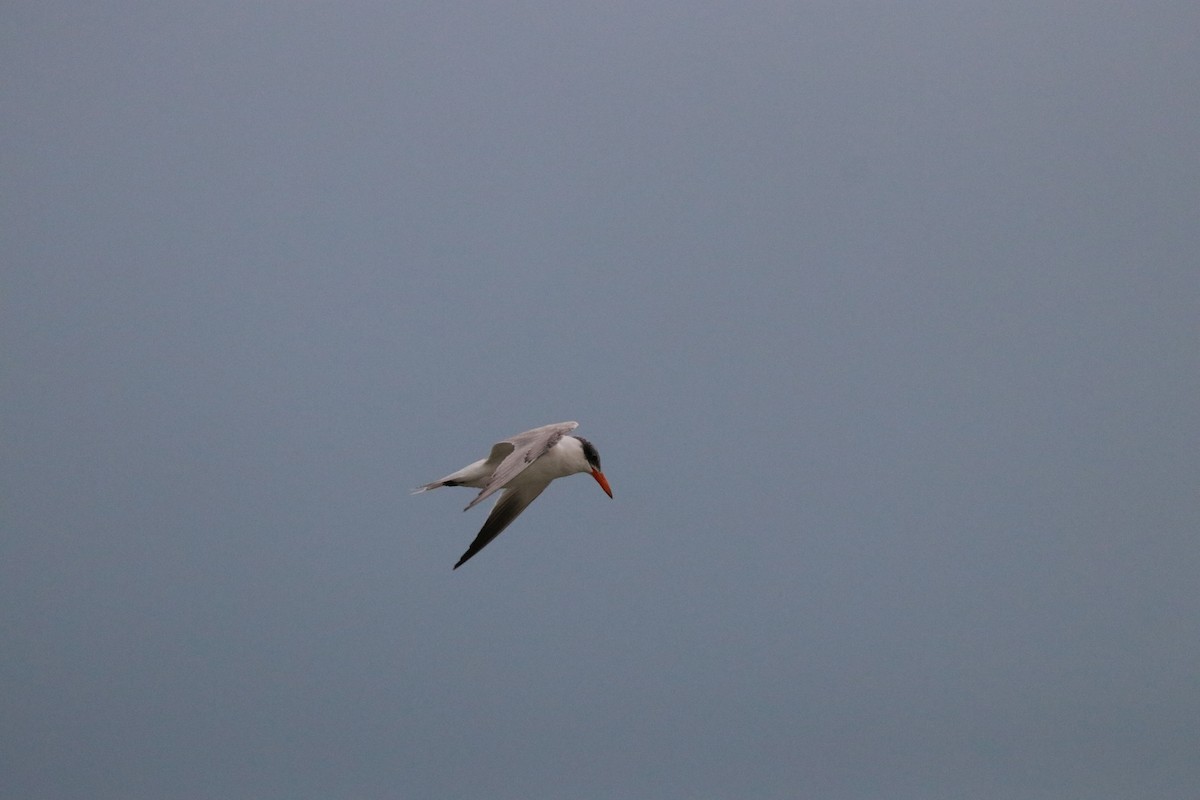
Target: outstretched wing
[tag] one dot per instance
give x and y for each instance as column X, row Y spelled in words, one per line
column 528, row 447
column 511, row 504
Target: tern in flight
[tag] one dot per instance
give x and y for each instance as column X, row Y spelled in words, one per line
column 523, row 467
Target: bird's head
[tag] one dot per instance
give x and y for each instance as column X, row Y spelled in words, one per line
column 593, row 461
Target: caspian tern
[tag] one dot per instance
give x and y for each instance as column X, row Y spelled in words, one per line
column 523, row 467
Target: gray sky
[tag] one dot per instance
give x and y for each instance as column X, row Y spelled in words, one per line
column 883, row 317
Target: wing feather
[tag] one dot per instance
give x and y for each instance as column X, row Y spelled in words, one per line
column 510, row 506
column 527, row 447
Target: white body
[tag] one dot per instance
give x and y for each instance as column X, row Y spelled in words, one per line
column 563, row 459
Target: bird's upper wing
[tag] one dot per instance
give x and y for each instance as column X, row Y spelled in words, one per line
column 500, row 451
column 527, row 447
column 511, row 504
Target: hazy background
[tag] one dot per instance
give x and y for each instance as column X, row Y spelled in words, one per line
column 883, row 316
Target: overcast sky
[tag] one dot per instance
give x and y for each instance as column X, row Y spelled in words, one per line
column 883, row 317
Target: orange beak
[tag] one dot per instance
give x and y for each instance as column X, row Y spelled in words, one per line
column 603, row 481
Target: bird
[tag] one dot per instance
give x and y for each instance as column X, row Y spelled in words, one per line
column 522, row 466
